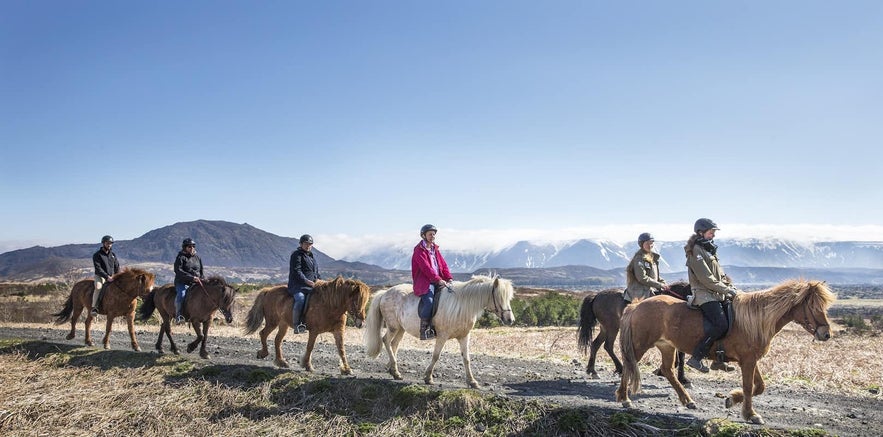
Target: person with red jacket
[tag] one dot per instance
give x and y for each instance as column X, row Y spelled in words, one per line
column 430, row 274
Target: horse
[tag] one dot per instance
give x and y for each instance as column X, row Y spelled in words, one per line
column 330, row 302
column 456, row 315
column 668, row 324
column 605, row 308
column 119, row 299
column 199, row 308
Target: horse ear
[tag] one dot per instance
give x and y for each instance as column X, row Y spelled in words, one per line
column 496, row 281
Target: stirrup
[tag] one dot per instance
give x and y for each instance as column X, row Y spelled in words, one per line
column 94, row 311
column 300, row 328
column 179, row 320
column 720, row 365
column 697, row 364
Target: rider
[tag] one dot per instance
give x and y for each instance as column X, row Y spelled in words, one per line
column 303, row 274
column 710, row 288
column 106, row 265
column 430, row 274
column 188, row 271
column 642, row 274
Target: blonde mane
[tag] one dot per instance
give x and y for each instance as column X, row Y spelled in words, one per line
column 336, row 293
column 464, row 305
column 757, row 313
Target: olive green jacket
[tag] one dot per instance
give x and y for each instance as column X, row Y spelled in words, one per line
column 707, row 278
column 642, row 276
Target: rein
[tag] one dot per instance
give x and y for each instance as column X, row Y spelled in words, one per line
column 813, row 326
column 498, row 310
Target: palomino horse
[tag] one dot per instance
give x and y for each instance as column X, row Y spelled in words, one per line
column 199, row 308
column 330, row 302
column 605, row 308
column 457, row 313
column 665, row 322
column 118, row 301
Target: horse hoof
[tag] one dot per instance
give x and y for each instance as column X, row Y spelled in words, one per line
column 90, row 343
column 627, row 404
column 346, row 371
column 428, row 381
column 70, row 336
column 204, row 355
column 594, row 375
column 107, row 347
column 728, row 402
column 687, row 384
column 136, row 348
column 175, row 351
column 191, row 349
column 281, row 363
column 395, row 375
column 262, row 354
column 691, row 406
column 473, row 384
column 756, row 419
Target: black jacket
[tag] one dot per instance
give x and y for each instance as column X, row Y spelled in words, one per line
column 187, row 267
column 106, row 264
column 303, row 266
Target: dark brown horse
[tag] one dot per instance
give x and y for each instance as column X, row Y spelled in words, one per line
column 118, row 301
column 665, row 322
column 605, row 308
column 329, row 305
column 199, row 308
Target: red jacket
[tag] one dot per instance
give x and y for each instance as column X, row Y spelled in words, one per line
column 422, row 272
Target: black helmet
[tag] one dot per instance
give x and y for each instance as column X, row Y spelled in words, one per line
column 306, row 238
column 426, row 228
column 106, row 239
column 644, row 237
column 188, row 242
column 704, row 224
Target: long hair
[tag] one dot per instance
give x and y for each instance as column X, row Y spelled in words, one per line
column 464, row 305
column 757, row 313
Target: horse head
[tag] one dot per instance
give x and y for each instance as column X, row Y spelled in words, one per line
column 227, row 296
column 812, row 311
column 359, row 295
column 501, row 294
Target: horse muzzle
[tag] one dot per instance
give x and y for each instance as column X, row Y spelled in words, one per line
column 228, row 317
column 822, row 333
column 358, row 322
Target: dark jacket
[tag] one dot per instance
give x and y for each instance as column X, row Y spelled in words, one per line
column 106, row 264
column 187, row 267
column 302, row 267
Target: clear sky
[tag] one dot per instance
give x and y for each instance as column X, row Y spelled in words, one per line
column 358, row 119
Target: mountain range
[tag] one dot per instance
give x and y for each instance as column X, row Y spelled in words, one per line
column 243, row 252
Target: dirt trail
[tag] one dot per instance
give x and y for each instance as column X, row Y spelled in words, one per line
column 782, row 406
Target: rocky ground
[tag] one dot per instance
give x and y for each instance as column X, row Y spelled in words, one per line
column 553, row 380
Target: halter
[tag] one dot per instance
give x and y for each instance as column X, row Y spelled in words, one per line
column 498, row 310
column 217, row 304
column 813, row 326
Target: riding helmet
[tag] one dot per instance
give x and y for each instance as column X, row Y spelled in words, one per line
column 426, row 228
column 106, row 239
column 306, row 238
column 188, row 242
column 704, row 224
column 644, row 237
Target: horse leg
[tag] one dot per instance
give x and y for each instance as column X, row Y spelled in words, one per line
column 439, row 344
column 167, row 322
column 752, row 384
column 682, row 376
column 338, row 340
column 305, row 361
column 593, row 353
column 391, row 344
column 609, row 339
column 277, row 345
column 264, row 351
column 192, row 345
column 202, row 352
column 162, row 330
column 75, row 315
column 467, row 363
column 667, row 368
column 107, row 325
column 87, row 325
column 130, row 321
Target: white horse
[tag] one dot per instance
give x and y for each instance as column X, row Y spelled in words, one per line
column 456, row 315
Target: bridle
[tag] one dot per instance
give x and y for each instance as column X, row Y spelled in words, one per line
column 810, row 326
column 217, row 304
column 498, row 309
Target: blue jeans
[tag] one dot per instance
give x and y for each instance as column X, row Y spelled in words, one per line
column 300, row 296
column 424, row 308
column 180, row 293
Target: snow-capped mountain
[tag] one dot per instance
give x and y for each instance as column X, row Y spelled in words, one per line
column 605, row 254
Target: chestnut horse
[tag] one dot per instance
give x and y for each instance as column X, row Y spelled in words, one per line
column 199, row 308
column 118, row 301
column 605, row 308
column 457, row 313
column 668, row 324
column 330, row 302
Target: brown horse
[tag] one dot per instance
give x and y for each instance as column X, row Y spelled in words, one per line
column 118, row 301
column 668, row 324
column 328, row 307
column 605, row 308
column 199, row 308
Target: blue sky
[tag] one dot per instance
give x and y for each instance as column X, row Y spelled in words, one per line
column 353, row 120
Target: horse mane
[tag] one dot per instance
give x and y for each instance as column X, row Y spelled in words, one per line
column 757, row 313
column 460, row 305
column 335, row 295
column 228, row 292
column 130, row 272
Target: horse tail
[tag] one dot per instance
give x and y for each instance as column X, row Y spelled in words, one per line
column 373, row 323
column 255, row 315
column 65, row 314
column 147, row 307
column 587, row 323
column 630, row 371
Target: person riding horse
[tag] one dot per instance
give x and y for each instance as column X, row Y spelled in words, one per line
column 106, row 265
column 430, row 274
column 188, row 271
column 303, row 272
column 642, row 273
column 711, row 287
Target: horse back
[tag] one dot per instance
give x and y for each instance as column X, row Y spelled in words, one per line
column 668, row 318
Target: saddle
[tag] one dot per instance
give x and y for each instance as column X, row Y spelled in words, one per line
column 706, row 326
